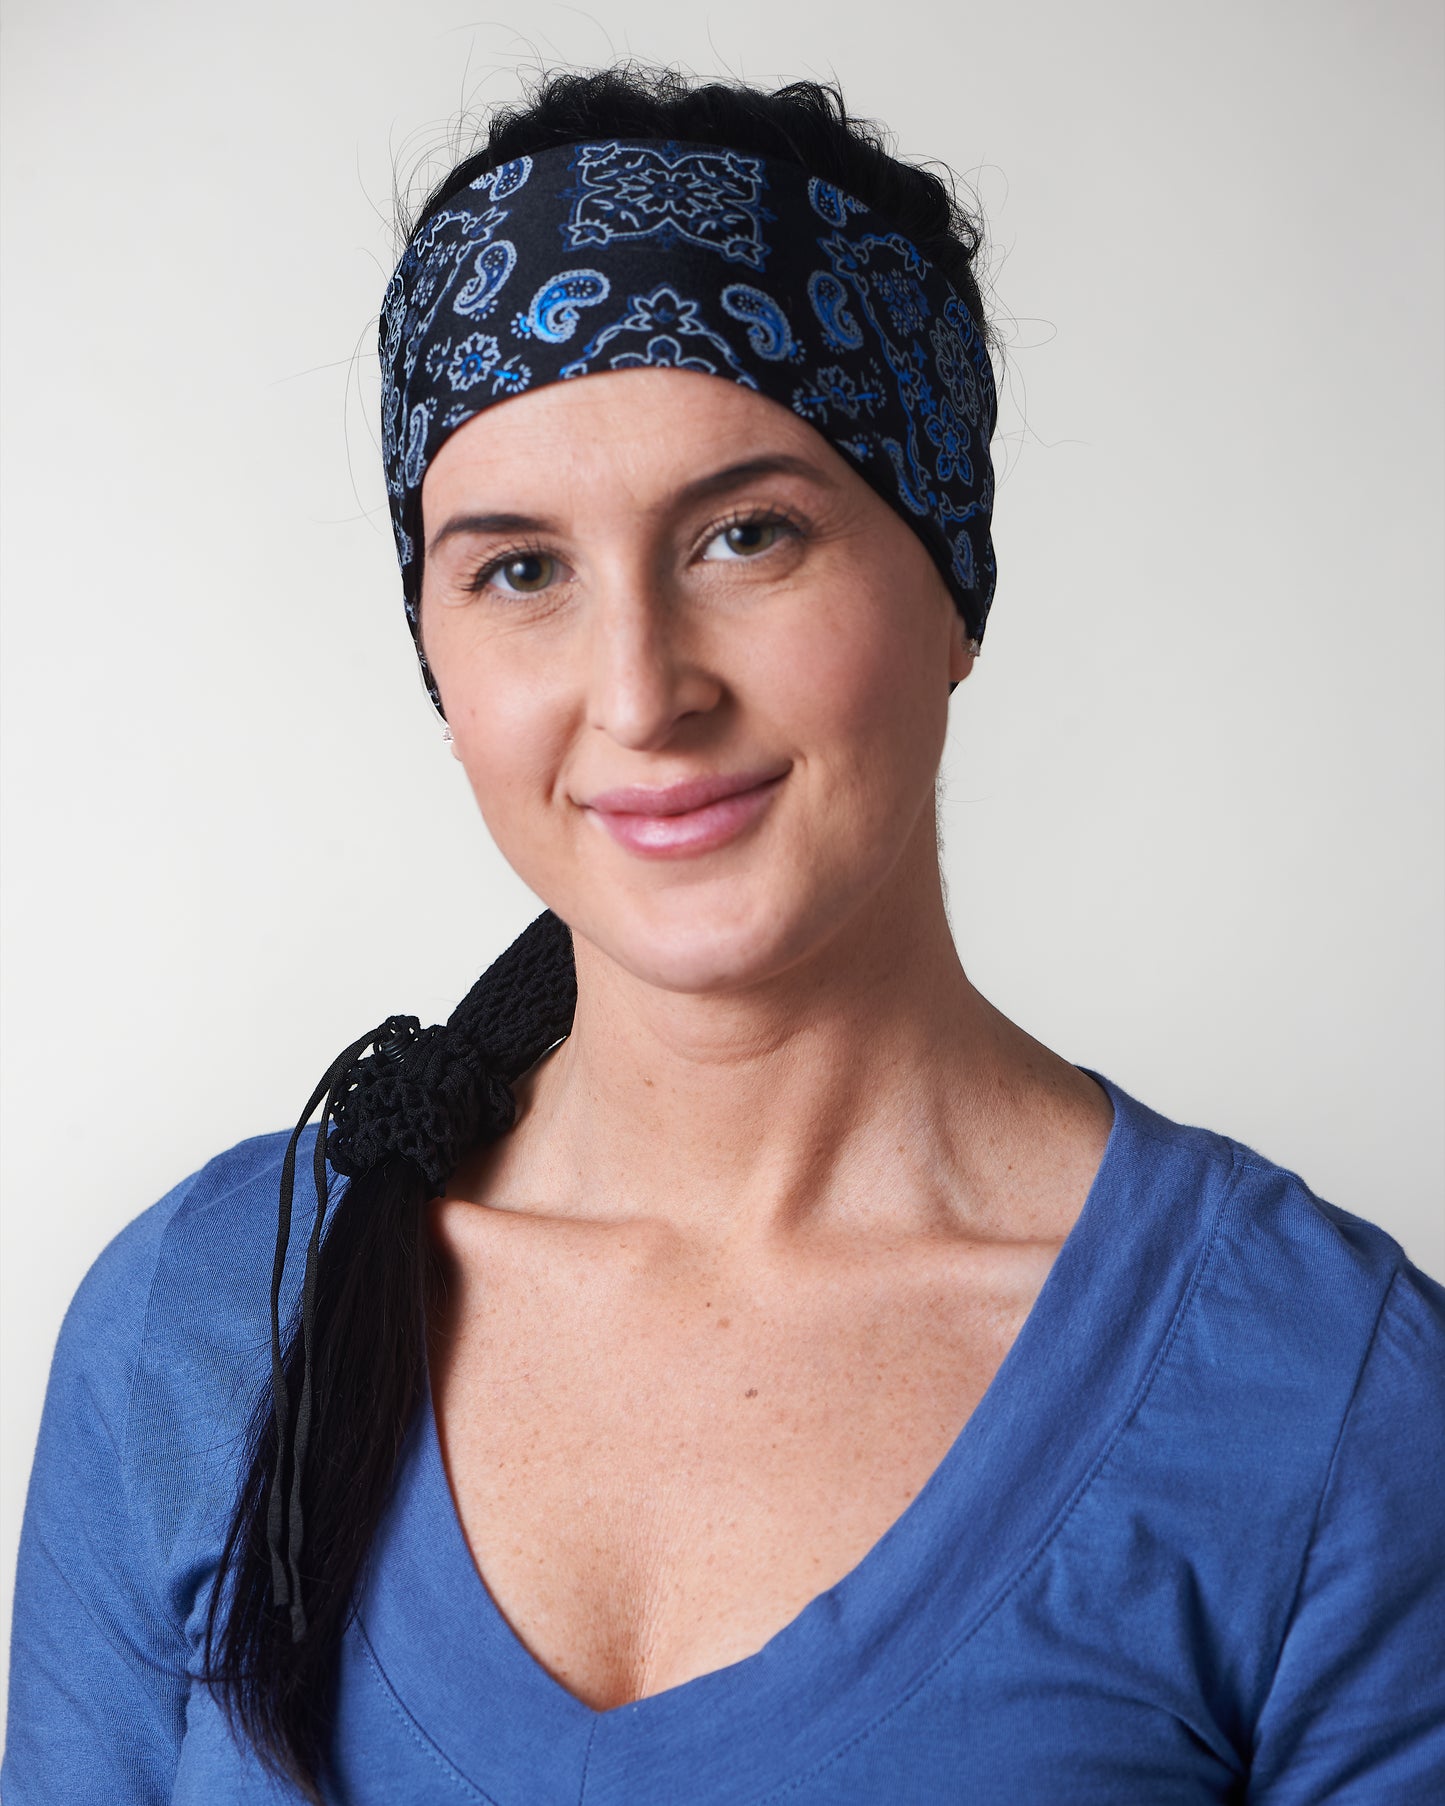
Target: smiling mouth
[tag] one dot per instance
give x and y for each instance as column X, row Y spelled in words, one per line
column 685, row 819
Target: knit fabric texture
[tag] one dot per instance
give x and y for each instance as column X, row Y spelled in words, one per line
column 429, row 1094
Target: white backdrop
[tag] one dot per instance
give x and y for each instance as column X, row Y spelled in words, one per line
column 1194, row 802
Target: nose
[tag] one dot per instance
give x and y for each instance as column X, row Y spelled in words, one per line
column 644, row 669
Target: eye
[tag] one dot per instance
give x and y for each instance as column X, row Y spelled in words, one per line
column 748, row 537
column 527, row 572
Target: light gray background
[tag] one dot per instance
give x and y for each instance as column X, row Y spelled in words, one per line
column 1194, row 810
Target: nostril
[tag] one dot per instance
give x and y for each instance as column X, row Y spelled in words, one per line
column 640, row 700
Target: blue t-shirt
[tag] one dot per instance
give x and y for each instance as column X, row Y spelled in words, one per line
column 1189, row 1547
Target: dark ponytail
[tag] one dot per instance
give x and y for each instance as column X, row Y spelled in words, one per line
column 324, row 1443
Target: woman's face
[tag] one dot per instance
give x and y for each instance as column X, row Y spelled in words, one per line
column 650, row 578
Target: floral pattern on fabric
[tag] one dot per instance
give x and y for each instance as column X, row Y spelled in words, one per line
column 671, row 193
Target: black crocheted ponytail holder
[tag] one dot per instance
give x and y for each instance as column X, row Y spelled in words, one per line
column 426, row 1094
column 430, row 1094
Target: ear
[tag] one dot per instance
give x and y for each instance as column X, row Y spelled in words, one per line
column 962, row 649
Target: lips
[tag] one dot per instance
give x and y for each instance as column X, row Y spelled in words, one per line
column 692, row 817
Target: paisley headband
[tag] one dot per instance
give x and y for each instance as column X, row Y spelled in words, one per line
column 621, row 254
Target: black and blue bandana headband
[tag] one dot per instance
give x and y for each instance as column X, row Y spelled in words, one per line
column 622, row 254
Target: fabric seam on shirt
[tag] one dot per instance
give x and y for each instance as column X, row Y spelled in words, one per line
column 178, row 1625
column 1210, row 1144
column 394, row 1700
column 123, row 1453
column 587, row 1760
column 954, row 1650
column 1386, row 1295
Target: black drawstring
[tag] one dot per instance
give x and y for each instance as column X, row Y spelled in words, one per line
column 285, row 1528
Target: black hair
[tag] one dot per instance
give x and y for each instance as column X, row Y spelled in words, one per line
column 376, row 1274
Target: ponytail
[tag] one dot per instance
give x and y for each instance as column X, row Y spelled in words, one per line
column 327, row 1433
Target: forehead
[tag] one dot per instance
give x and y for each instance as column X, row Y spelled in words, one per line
column 661, row 424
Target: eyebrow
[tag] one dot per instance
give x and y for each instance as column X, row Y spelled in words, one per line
column 701, row 489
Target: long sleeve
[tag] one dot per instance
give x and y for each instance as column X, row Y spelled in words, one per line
column 1356, row 1712
column 98, row 1681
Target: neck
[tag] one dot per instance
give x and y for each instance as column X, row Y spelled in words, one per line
column 870, row 1085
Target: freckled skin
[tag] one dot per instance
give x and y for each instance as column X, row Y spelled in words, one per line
column 783, row 1111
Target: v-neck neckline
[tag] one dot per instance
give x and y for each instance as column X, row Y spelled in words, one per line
column 493, row 1711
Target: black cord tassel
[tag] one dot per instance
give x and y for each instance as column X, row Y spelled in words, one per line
column 285, row 1526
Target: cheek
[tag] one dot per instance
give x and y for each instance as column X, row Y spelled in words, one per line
column 865, row 675
column 511, row 736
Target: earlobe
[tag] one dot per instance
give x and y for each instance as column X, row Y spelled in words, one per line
column 963, row 649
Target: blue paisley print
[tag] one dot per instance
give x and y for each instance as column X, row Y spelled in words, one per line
column 835, row 388
column 415, row 463
column 476, row 359
column 490, row 270
column 831, row 203
column 904, row 298
column 952, row 360
column 671, row 193
column 768, row 331
column 829, row 298
column 663, row 310
column 511, row 377
column 503, row 182
column 473, row 361
column 664, row 352
column 555, row 308
column 621, row 255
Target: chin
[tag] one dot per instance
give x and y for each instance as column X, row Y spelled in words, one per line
column 679, row 942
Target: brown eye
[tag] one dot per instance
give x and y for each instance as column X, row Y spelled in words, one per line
column 746, row 538
column 524, row 574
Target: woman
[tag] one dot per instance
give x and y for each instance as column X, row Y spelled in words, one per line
column 730, row 1361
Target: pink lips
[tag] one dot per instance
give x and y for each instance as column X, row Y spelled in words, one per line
column 692, row 817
